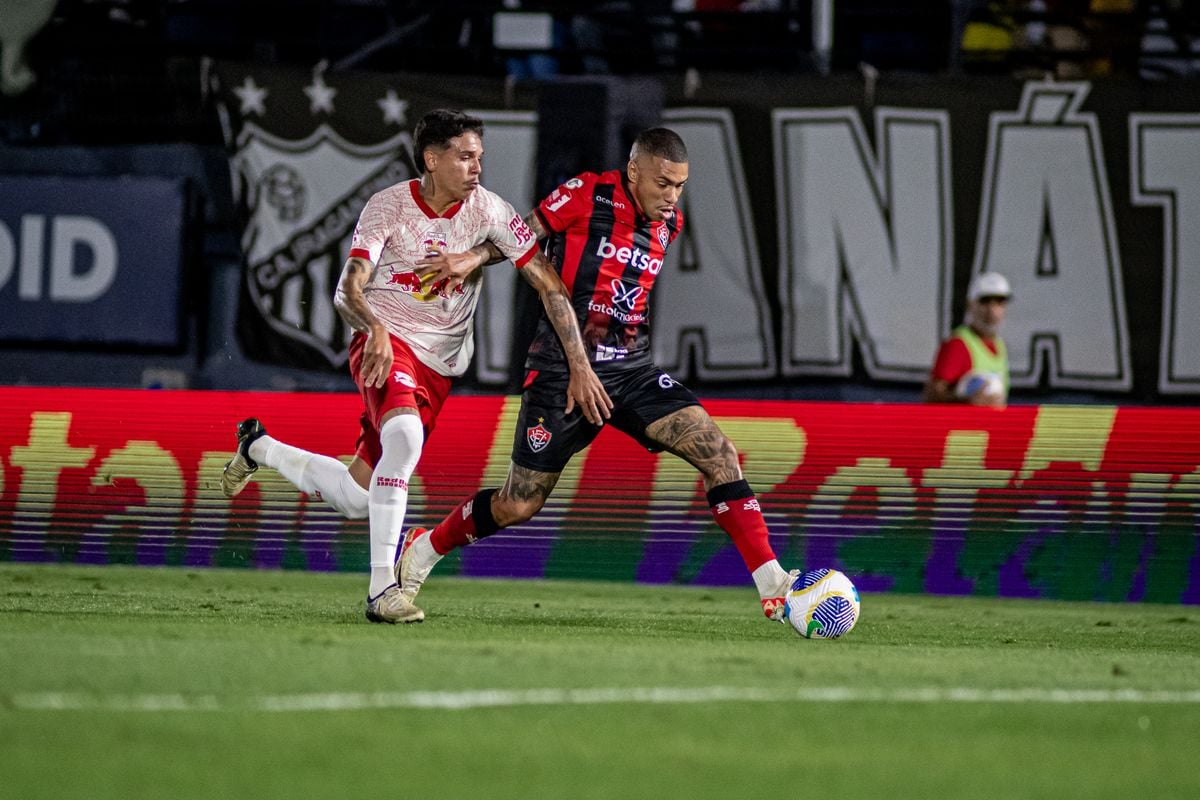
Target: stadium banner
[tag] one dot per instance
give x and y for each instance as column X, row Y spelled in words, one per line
column 1068, row 502
column 835, row 222
column 95, row 260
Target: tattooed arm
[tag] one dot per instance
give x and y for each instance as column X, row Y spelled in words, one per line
column 584, row 388
column 348, row 299
column 455, row 267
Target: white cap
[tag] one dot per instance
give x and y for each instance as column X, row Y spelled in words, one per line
column 988, row 284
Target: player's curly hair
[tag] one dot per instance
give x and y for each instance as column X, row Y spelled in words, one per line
column 662, row 142
column 438, row 127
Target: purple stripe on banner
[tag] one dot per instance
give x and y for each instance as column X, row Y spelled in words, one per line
column 941, row 570
column 519, row 552
column 663, row 555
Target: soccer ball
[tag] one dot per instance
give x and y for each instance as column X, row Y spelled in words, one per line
column 822, row 604
column 984, row 384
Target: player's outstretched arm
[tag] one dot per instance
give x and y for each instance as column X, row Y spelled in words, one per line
column 350, row 302
column 584, row 388
column 454, row 268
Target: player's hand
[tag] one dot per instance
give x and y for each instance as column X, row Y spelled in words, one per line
column 982, row 398
column 453, row 268
column 377, row 358
column 585, row 390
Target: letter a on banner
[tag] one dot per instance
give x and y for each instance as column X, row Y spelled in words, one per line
column 1046, row 222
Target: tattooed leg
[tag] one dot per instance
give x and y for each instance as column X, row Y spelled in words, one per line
column 691, row 434
column 523, row 495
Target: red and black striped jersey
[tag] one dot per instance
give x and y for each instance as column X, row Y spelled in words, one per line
column 609, row 256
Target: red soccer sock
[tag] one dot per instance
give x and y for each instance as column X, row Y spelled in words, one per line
column 736, row 510
column 472, row 520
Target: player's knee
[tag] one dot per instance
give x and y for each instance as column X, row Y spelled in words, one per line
column 355, row 505
column 721, row 463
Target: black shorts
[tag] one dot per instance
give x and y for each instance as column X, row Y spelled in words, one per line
column 546, row 439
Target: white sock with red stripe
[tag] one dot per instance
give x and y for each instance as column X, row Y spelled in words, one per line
column 402, row 438
column 313, row 474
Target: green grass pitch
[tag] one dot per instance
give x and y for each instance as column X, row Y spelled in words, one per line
column 119, row 682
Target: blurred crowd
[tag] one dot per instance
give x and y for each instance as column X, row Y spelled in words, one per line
column 538, row 38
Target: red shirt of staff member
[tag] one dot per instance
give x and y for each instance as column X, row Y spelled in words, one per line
column 972, row 365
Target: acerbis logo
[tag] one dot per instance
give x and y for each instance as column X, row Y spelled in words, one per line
column 666, row 381
column 636, row 257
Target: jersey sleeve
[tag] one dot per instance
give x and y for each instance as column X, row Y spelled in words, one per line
column 370, row 234
column 952, row 362
column 675, row 226
column 568, row 203
column 509, row 232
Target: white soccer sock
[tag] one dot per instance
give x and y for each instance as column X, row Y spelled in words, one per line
column 423, row 553
column 768, row 578
column 313, row 473
column 402, row 438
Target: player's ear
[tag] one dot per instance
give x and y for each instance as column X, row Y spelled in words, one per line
column 430, row 159
column 632, row 171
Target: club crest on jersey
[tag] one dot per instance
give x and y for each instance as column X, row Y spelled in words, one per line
column 303, row 198
column 663, row 236
column 538, row 437
column 433, row 240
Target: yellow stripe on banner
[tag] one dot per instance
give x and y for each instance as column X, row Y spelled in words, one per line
column 771, row 449
column 1068, row 434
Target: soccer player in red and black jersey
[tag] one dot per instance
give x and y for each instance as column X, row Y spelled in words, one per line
column 608, row 236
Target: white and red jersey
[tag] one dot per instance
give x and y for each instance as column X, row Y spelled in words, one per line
column 395, row 230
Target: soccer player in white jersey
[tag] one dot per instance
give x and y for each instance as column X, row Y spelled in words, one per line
column 412, row 338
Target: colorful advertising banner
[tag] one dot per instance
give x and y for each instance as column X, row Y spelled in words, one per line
column 1085, row 503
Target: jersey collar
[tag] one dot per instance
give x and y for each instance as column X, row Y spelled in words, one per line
column 415, row 187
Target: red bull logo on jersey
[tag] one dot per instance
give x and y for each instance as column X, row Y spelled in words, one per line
column 635, row 257
column 412, row 283
column 408, row 281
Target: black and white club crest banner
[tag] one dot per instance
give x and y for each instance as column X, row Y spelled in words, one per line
column 307, row 152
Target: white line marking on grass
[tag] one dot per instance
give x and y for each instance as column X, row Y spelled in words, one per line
column 495, row 698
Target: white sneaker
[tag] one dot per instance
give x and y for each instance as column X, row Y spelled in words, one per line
column 241, row 467
column 392, row 606
column 411, row 569
column 773, row 604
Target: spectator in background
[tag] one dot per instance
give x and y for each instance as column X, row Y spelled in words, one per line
column 972, row 365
